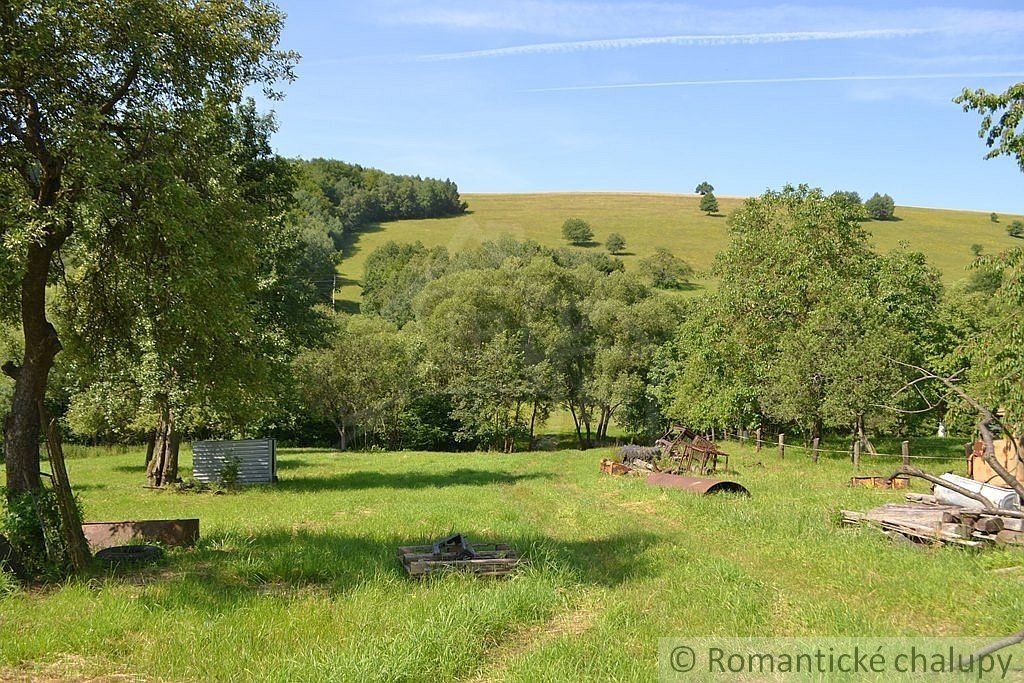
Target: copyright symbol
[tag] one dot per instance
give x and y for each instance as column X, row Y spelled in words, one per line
column 683, row 659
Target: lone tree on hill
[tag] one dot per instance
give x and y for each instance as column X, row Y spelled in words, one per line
column 994, row 217
column 577, row 231
column 704, row 188
column 1015, row 229
column 709, row 203
column 880, row 207
column 616, row 243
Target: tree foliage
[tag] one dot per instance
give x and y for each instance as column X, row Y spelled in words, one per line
column 665, row 269
column 804, row 313
column 577, row 231
column 704, row 187
column 125, row 148
column 615, row 243
column 709, row 203
column 880, row 207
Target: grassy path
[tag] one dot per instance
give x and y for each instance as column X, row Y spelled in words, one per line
column 299, row 581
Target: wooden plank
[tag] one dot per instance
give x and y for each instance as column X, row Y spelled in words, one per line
column 70, row 520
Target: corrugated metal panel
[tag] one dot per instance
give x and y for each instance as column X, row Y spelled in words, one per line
column 257, row 460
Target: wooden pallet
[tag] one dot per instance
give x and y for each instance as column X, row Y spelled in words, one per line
column 488, row 559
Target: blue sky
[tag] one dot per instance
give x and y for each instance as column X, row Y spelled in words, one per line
column 513, row 96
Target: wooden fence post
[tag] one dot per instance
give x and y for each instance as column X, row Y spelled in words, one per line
column 906, row 452
column 856, row 453
column 782, row 445
column 758, row 447
column 815, row 454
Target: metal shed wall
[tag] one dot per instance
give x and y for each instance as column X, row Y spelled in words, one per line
column 257, row 460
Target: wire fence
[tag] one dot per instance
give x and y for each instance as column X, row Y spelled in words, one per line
column 849, row 451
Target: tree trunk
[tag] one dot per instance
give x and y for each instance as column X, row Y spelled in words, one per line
column 22, row 429
column 163, row 467
column 342, row 440
column 576, row 422
column 150, row 446
column 533, row 424
column 863, row 437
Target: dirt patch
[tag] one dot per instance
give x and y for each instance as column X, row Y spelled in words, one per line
column 68, row 667
column 570, row 623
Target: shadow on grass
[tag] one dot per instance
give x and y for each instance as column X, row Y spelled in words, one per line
column 229, row 571
column 402, row 480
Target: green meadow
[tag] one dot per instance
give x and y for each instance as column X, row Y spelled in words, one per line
column 299, row 581
column 648, row 221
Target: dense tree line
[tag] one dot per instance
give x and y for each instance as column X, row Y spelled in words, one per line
column 342, row 197
column 491, row 341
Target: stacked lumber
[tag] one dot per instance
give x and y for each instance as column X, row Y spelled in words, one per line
column 924, row 519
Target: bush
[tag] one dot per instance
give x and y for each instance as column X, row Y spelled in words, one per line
column 615, row 243
column 881, row 207
column 577, row 231
column 1015, row 229
column 229, row 472
column 994, row 217
column 44, row 557
column 976, row 250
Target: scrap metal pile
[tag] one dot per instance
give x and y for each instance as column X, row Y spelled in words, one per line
column 680, row 450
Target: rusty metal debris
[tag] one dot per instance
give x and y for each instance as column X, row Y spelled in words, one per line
column 609, row 466
column 456, row 553
column 690, row 452
column 700, row 485
column 679, row 450
column 181, row 533
column 679, row 453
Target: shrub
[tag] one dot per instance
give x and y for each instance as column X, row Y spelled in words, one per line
column 881, row 207
column 1015, row 229
column 615, row 243
column 976, row 250
column 994, row 217
column 577, row 231
column 229, row 471
column 46, row 556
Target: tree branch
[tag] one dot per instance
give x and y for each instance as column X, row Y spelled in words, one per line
column 122, row 88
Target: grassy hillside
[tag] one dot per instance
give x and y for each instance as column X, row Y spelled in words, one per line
column 299, row 582
column 648, row 221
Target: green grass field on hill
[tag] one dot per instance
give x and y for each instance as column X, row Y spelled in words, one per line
column 299, row 581
column 648, row 221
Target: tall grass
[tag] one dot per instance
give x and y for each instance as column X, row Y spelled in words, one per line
column 299, row 580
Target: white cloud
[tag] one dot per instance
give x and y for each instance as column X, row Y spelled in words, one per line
column 701, row 40
column 572, row 19
column 763, row 81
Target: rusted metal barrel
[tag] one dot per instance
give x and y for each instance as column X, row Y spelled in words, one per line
column 699, row 485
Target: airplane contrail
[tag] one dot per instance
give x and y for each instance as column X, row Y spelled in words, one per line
column 685, row 40
column 796, row 79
